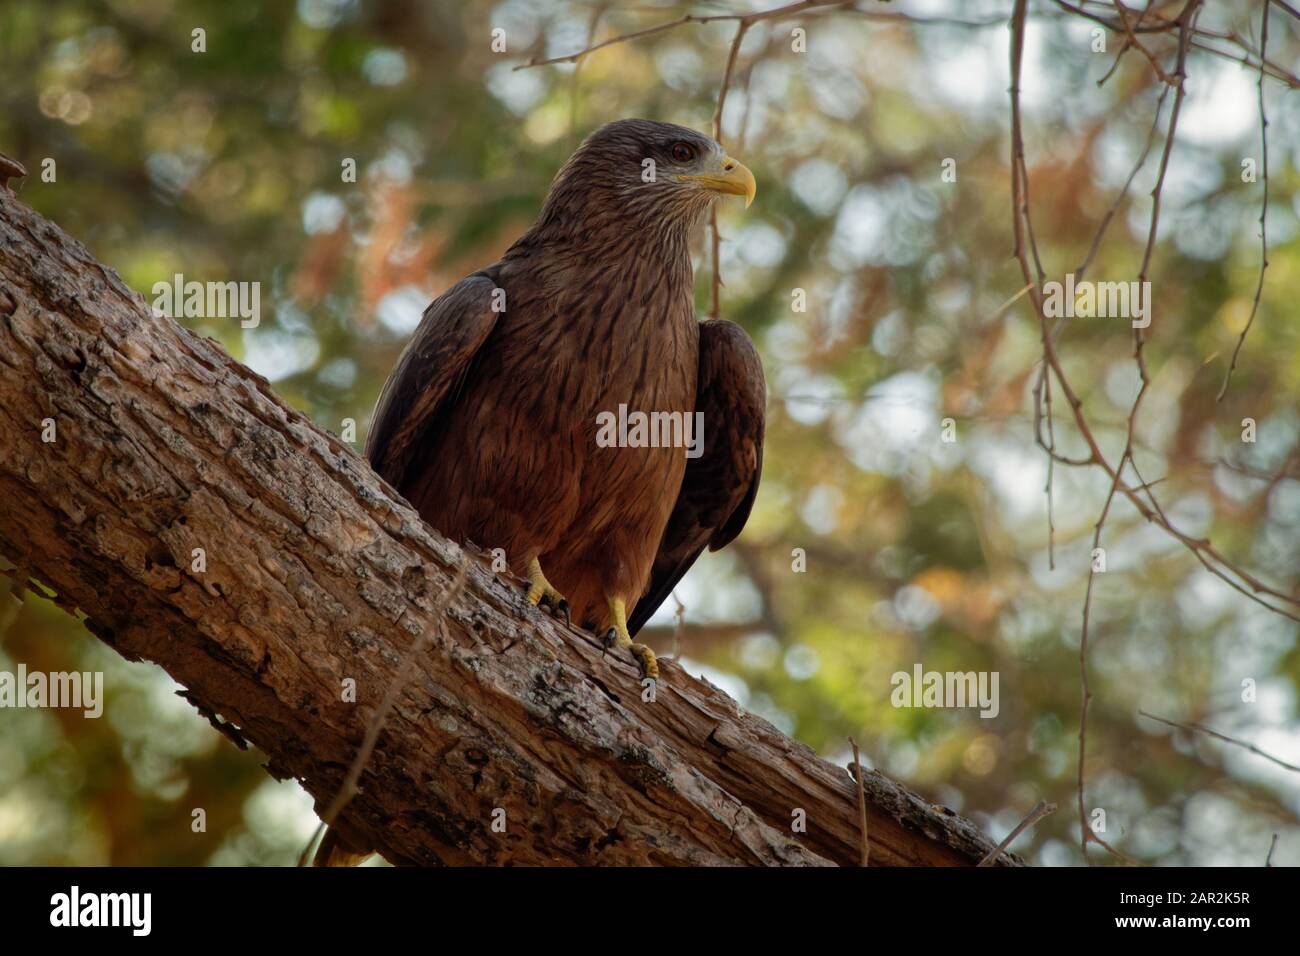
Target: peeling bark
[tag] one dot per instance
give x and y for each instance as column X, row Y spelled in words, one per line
column 317, row 571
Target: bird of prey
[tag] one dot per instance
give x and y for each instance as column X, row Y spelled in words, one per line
column 491, row 422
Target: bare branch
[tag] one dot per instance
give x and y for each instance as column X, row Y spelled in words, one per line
column 1202, row 729
column 1134, row 42
column 1263, row 211
column 862, row 804
column 744, row 19
column 1041, row 809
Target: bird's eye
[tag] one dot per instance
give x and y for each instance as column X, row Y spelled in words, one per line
column 683, row 152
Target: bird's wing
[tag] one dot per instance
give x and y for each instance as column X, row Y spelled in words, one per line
column 719, row 486
column 429, row 372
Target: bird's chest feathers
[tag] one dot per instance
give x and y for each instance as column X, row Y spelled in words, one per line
column 601, row 344
column 645, row 359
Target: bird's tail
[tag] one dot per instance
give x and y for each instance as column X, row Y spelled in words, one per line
column 335, row 850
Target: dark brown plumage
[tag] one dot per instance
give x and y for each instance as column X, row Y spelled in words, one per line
column 488, row 423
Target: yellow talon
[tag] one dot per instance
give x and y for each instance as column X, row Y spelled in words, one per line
column 617, row 633
column 541, row 592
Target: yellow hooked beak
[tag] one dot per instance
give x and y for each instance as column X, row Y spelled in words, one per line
column 733, row 179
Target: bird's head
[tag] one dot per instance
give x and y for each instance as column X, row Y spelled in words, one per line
column 636, row 170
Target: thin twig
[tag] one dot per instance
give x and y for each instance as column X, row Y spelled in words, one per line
column 1201, row 728
column 862, row 803
column 1263, row 211
column 748, row 19
column 1248, row 56
column 715, row 307
column 1042, row 809
column 1134, row 42
column 1287, row 7
column 679, row 627
column 593, row 24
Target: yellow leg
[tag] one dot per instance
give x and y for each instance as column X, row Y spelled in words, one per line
column 617, row 633
column 541, row 592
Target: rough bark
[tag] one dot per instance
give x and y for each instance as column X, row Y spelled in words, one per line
column 317, row 571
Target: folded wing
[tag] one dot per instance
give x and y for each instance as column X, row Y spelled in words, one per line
column 719, row 486
column 429, row 373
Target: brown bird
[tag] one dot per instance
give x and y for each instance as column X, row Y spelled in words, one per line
column 491, row 422
column 496, row 421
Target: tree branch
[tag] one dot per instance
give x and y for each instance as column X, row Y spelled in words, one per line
column 316, row 574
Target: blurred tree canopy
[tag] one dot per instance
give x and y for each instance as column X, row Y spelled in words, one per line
column 231, row 164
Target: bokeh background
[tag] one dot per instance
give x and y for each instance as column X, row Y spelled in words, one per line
column 226, row 165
